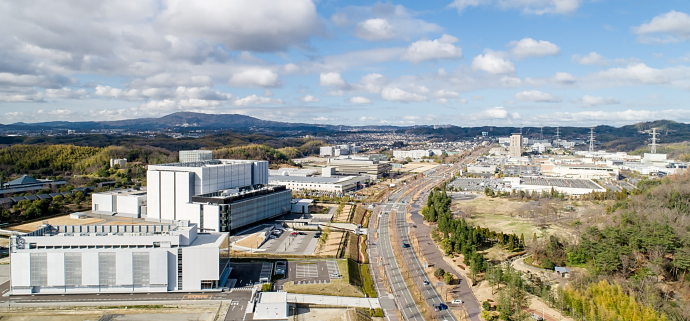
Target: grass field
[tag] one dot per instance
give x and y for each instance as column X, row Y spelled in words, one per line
column 507, row 224
column 60, row 220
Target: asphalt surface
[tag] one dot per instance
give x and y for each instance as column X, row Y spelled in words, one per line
column 403, row 297
column 305, row 272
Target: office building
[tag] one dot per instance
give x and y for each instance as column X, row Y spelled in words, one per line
column 339, row 150
column 515, row 145
column 352, row 167
column 188, row 156
column 219, row 195
column 117, row 259
column 336, row 184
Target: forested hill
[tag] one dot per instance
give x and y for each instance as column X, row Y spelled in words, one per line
column 625, row 138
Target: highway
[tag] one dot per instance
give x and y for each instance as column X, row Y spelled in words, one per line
column 398, row 203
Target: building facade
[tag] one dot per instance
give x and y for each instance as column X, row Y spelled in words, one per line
column 515, row 145
column 117, row 259
column 188, row 156
column 172, row 188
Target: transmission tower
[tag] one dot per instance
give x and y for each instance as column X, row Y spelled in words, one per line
column 591, row 140
column 541, row 132
column 558, row 133
column 653, row 144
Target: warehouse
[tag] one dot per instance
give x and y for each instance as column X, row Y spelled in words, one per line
column 117, row 259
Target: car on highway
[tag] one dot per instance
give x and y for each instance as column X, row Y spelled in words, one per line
column 426, row 282
column 405, row 245
column 440, row 307
column 457, row 301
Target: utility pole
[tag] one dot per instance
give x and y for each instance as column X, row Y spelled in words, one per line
column 591, row 140
column 653, row 144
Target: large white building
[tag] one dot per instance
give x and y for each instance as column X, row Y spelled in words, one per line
column 127, row 202
column 117, row 258
column 414, row 154
column 220, row 195
column 336, row 184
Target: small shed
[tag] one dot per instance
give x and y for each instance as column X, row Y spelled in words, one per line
column 301, row 206
column 78, row 215
column 563, row 272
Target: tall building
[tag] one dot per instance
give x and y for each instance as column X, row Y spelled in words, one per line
column 188, row 156
column 117, row 258
column 515, row 145
column 221, row 195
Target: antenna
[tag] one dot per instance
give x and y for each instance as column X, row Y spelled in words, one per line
column 520, row 128
column 653, row 144
column 591, row 140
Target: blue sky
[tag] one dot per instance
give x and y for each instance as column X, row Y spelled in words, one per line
column 462, row 62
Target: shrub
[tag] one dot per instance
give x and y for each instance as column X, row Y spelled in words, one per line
column 486, row 305
column 448, row 278
column 438, row 273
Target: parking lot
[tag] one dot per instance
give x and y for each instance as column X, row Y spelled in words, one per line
column 244, row 274
column 309, row 272
column 476, row 184
column 300, row 244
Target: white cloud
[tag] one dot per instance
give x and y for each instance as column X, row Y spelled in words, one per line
column 338, row 93
column 442, row 101
column 564, row 78
column 492, row 63
column 425, row 50
column 254, row 25
column 529, row 47
column 309, row 99
column 492, row 113
column 398, row 94
column 383, row 21
column 592, row 58
column 478, row 98
column 372, row 83
column 446, row 94
column 110, row 92
column 536, row 96
column 332, row 79
column 672, row 26
column 255, row 78
column 538, row 7
column 597, row 101
column 375, row 30
column 66, row 93
column 360, row 100
column 612, row 117
column 641, row 74
column 462, row 101
column 256, row 100
column 508, row 81
column 171, row 80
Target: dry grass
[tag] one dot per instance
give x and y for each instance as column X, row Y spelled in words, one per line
column 507, row 224
column 332, row 244
column 337, row 287
column 251, row 241
column 60, row 220
column 342, row 217
column 488, row 205
column 418, row 167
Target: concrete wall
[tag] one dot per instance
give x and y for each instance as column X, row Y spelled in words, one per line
column 103, row 203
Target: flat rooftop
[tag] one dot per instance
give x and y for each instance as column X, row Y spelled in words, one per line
column 212, row 240
column 207, row 163
column 126, row 192
column 314, row 179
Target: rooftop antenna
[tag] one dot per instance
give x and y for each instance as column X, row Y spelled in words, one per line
column 653, row 144
column 591, row 139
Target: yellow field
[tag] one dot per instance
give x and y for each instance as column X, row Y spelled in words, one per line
column 60, row 220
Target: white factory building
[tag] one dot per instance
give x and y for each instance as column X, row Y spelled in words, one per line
column 219, row 195
column 561, row 185
column 117, row 259
column 127, row 202
column 414, row 154
column 338, row 150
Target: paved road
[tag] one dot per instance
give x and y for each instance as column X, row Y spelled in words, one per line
column 433, row 254
column 402, row 294
column 416, row 270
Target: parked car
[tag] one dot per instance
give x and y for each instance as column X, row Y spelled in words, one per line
column 302, row 233
column 457, row 302
column 537, row 317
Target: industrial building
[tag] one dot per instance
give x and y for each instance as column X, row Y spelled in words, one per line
column 188, row 156
column 515, row 145
column 27, row 183
column 561, row 185
column 316, row 183
column 372, row 168
column 220, row 195
column 481, row 169
column 339, row 150
column 117, row 259
column 127, row 202
column 414, row 154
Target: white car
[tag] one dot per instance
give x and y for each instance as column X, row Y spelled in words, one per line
column 457, row 302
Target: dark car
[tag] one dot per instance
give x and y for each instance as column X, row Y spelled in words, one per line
column 302, row 233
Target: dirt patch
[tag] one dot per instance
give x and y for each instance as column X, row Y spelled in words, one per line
column 321, row 314
column 60, row 220
column 330, row 248
column 517, row 226
column 173, row 313
column 487, row 205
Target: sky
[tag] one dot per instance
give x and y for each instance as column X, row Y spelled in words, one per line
column 458, row 62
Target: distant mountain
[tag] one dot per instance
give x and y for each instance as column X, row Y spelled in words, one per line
column 176, row 120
